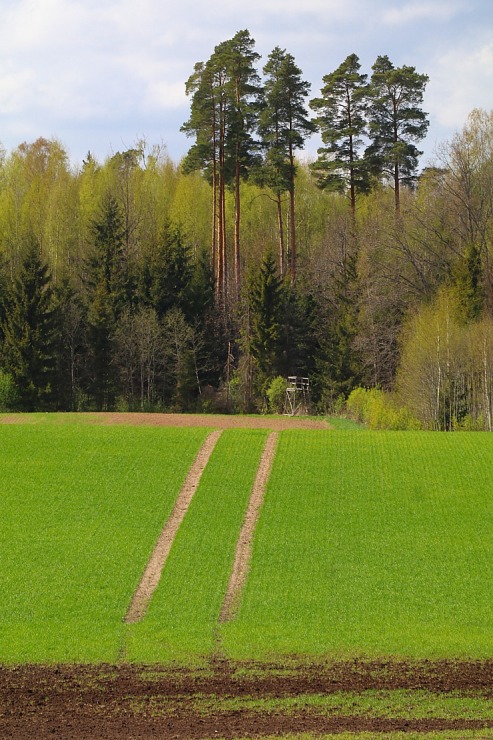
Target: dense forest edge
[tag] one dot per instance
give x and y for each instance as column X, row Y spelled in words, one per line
column 141, row 284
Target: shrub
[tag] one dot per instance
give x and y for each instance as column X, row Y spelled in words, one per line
column 8, row 392
column 379, row 410
column 276, row 395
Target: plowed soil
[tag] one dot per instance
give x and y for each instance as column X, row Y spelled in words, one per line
column 137, row 702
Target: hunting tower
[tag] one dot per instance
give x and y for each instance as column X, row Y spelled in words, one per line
column 297, row 396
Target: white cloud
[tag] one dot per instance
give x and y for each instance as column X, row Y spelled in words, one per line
column 116, row 68
column 460, row 80
column 421, row 11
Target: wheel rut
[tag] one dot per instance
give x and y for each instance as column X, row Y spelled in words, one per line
column 243, row 551
column 152, row 574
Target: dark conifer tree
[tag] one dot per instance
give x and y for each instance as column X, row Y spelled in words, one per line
column 106, row 280
column 299, row 342
column 71, row 345
column 29, row 332
column 338, row 367
column 167, row 274
column 266, row 298
column 469, row 285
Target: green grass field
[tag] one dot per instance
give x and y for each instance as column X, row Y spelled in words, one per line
column 371, row 545
column 81, row 509
column 375, row 544
column 182, row 619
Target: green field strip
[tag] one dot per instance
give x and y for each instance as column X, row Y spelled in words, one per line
column 372, row 544
column 81, row 509
column 181, row 622
column 152, row 574
column 393, row 703
column 243, row 554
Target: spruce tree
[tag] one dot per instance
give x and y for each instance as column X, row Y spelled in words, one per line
column 167, row 274
column 106, row 280
column 469, row 285
column 29, row 332
column 266, row 298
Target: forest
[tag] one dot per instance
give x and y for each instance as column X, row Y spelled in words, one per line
column 139, row 283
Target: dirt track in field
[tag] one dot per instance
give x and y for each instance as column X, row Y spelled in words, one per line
column 152, row 574
column 243, row 551
column 134, row 702
column 215, row 421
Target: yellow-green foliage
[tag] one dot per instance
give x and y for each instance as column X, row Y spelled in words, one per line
column 446, row 371
column 379, row 411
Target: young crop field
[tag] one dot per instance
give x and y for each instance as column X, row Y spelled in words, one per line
column 183, row 616
column 81, row 509
column 370, row 545
column 366, row 608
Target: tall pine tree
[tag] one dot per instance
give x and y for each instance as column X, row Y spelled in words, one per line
column 396, row 121
column 341, row 121
column 283, row 127
column 226, row 96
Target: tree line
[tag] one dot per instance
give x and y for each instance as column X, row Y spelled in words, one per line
column 138, row 283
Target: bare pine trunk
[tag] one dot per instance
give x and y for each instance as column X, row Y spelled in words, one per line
column 292, row 227
column 292, row 234
column 397, row 195
column 237, row 225
column 223, row 244
column 282, row 257
column 214, row 219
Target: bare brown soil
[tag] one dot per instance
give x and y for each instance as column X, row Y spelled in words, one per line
column 152, row 574
column 243, row 551
column 215, row 421
column 137, row 702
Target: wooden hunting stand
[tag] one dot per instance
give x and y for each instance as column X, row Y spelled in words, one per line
column 297, row 396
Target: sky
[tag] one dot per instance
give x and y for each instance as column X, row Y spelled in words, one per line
column 99, row 75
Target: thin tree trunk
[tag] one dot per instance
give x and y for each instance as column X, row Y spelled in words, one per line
column 397, row 195
column 220, row 228
column 214, row 217
column 221, row 249
column 292, row 221
column 237, row 224
column 282, row 257
column 224, row 254
column 352, row 189
column 292, row 233
column 486, row 386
